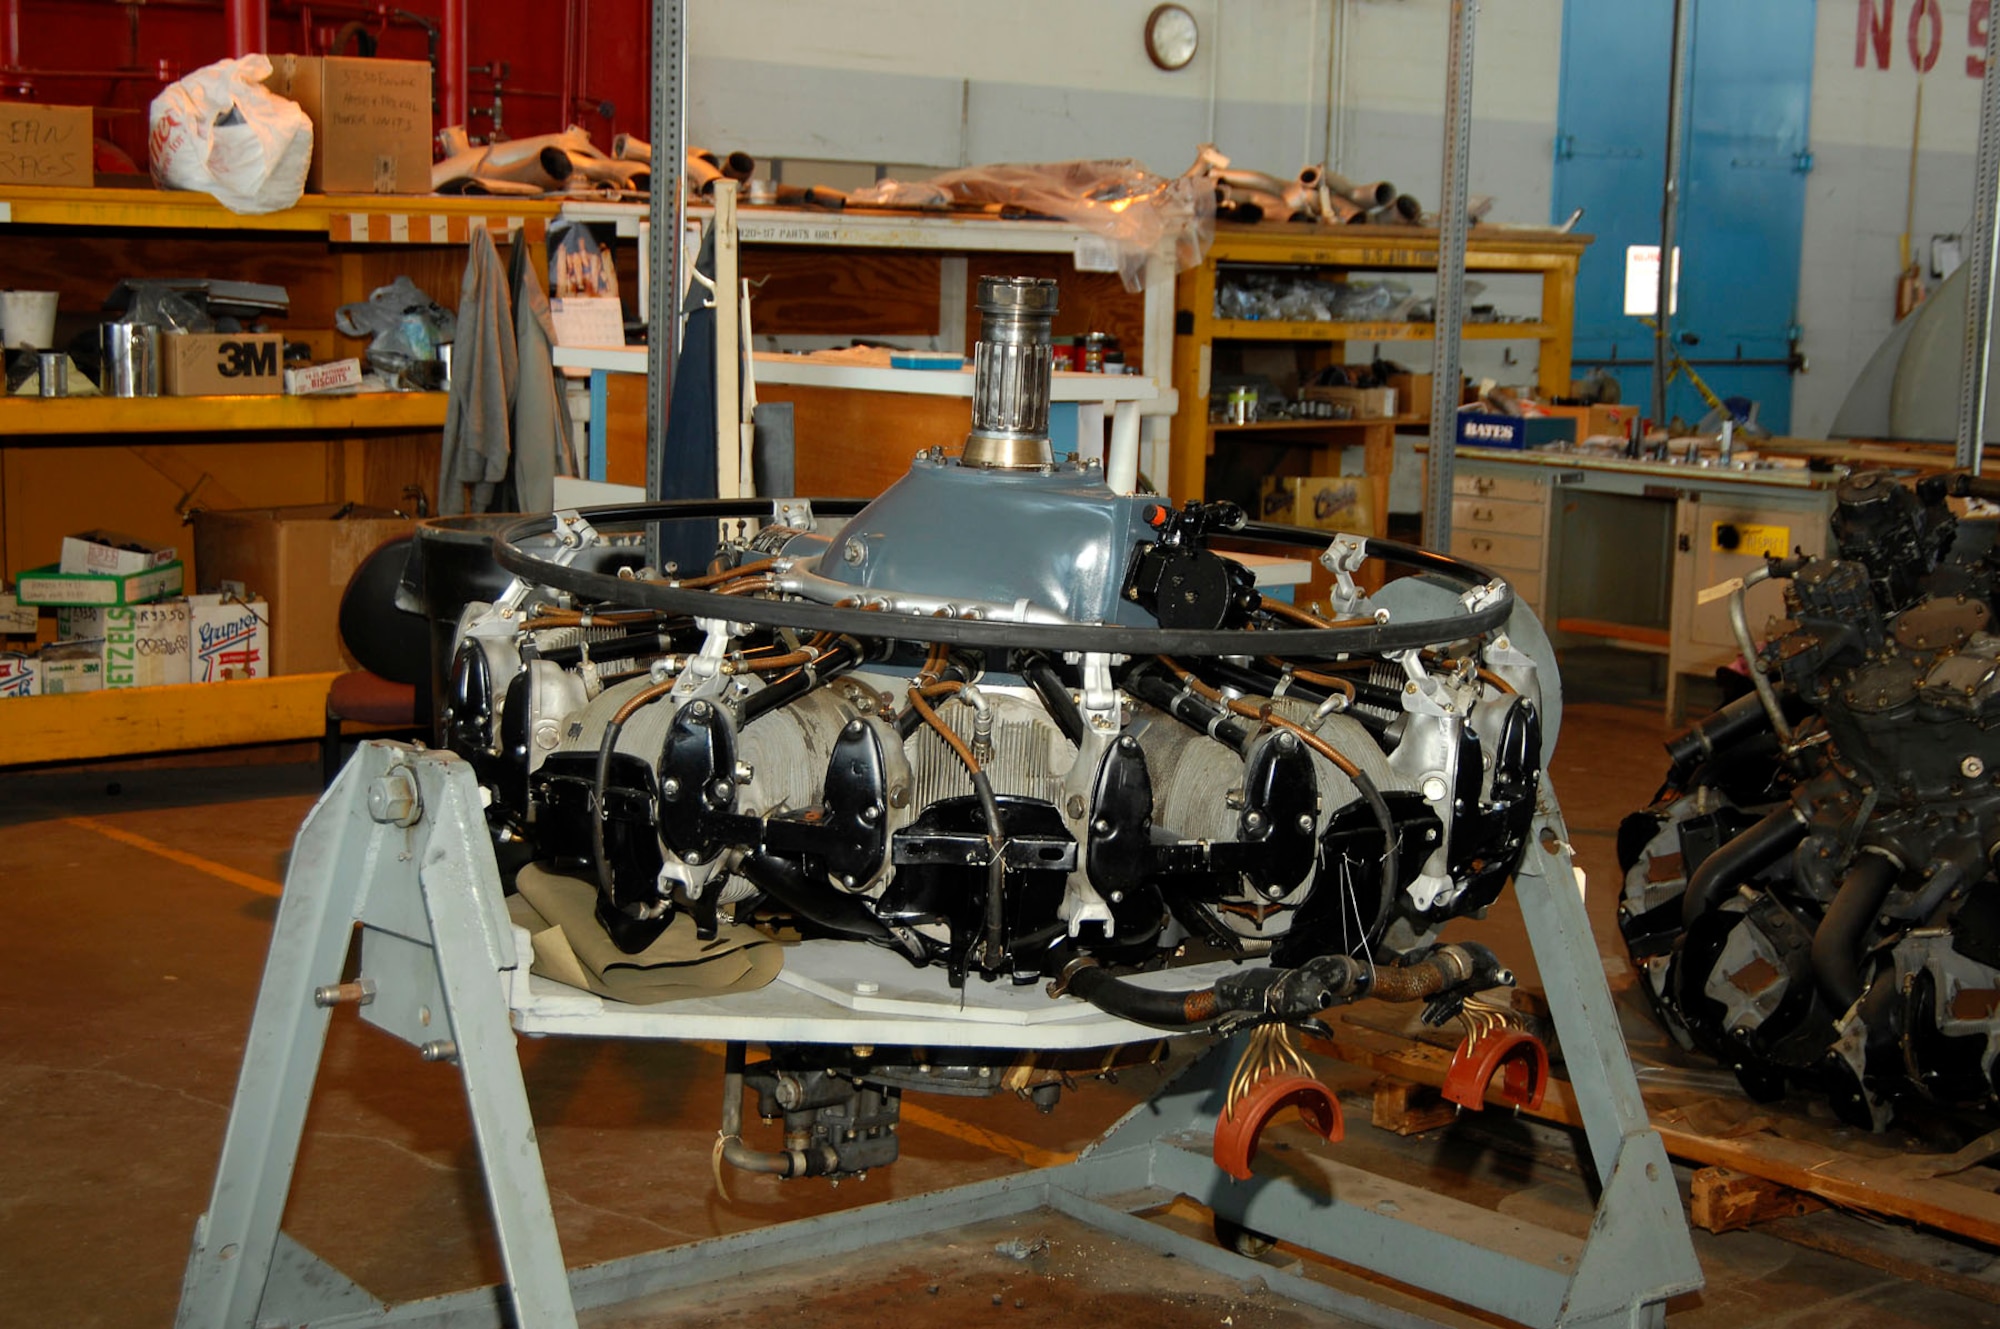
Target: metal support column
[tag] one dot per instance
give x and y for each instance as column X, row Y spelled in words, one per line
column 453, row 96
column 1450, row 274
column 1670, row 204
column 1978, row 348
column 664, row 213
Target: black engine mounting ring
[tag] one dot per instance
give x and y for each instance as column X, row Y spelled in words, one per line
column 600, row 587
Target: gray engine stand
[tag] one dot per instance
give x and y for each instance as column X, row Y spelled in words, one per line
column 399, row 844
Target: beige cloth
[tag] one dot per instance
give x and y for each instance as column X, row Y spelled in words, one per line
column 572, row 947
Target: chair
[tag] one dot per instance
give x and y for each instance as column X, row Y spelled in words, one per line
column 393, row 648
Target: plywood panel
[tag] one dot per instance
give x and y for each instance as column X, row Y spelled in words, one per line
column 625, row 429
column 83, row 266
column 855, row 444
column 862, row 293
column 54, row 490
column 391, row 467
column 848, row 444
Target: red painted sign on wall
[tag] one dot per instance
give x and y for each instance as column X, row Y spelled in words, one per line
column 1922, row 35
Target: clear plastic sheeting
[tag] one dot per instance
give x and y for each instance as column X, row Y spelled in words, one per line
column 1138, row 212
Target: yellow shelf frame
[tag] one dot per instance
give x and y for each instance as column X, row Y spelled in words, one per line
column 1549, row 255
column 349, row 218
column 22, row 417
column 124, row 722
column 134, row 721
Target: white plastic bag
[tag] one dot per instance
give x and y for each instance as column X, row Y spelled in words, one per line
column 221, row 131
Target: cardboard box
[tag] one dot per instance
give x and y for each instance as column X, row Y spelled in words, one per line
column 300, row 559
column 1598, row 421
column 1414, row 392
column 1344, row 503
column 20, row 675
column 112, row 552
column 1477, row 429
column 46, row 145
column 371, row 121
column 338, row 376
column 72, row 666
column 1361, row 403
column 229, row 637
column 222, row 364
column 54, row 587
column 144, row 645
column 17, row 619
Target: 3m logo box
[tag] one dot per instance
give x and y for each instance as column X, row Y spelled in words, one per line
column 222, row 364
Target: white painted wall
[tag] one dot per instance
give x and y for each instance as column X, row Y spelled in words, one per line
column 1855, row 197
column 934, row 84
column 942, row 83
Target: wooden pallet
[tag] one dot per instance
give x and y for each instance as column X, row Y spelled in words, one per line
column 1956, row 1194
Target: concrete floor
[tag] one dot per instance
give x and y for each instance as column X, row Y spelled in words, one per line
column 140, row 903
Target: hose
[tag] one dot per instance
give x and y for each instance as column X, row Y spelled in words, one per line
column 1318, row 686
column 712, row 578
column 836, row 660
column 581, row 618
column 730, row 1147
column 1281, row 995
column 1285, row 995
column 1445, row 967
column 1739, row 623
column 1160, row 691
column 1749, row 853
column 1042, row 677
column 1836, row 946
column 1306, row 618
column 1156, row 1007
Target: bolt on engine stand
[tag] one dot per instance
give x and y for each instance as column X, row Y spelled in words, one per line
column 399, row 844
